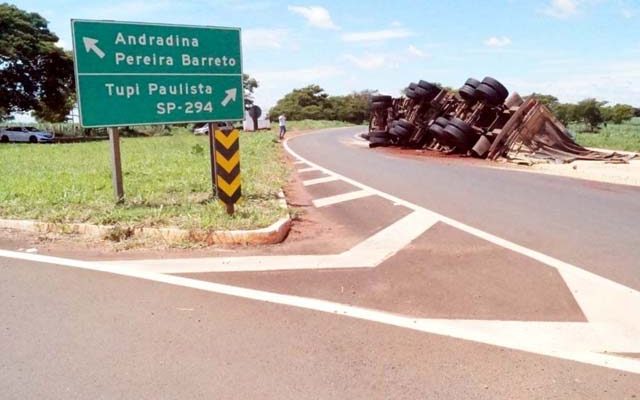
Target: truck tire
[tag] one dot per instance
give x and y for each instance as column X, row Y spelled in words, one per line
column 460, row 124
column 379, row 135
column 399, row 131
column 378, row 105
column 461, row 139
column 468, row 94
column 442, row 121
column 497, row 86
column 410, row 127
column 489, row 95
column 474, row 83
column 380, row 98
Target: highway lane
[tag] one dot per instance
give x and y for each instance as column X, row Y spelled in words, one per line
column 67, row 333
column 595, row 226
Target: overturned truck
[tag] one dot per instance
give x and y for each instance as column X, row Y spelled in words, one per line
column 481, row 119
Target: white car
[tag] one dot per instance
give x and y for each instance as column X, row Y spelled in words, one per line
column 24, row 134
column 204, row 129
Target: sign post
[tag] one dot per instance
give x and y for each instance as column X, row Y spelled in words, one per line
column 142, row 74
column 212, row 156
column 116, row 164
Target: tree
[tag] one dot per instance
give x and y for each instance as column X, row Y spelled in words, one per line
column 310, row 102
column 566, row 113
column 249, row 84
column 547, row 99
column 621, row 112
column 589, row 111
column 35, row 74
column 352, row 108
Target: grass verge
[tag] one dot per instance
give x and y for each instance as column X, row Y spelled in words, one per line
column 166, row 179
column 625, row 136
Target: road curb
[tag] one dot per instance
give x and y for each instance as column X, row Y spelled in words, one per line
column 273, row 234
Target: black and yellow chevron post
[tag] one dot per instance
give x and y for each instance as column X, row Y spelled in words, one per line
column 227, row 155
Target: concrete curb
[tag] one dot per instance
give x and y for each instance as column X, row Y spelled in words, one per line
column 275, row 233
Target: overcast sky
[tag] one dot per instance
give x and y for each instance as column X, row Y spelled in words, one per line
column 572, row 49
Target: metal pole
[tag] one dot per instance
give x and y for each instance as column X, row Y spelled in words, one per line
column 116, row 165
column 213, row 127
column 230, row 209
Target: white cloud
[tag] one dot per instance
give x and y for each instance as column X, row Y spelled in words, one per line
column 628, row 13
column 299, row 75
column 368, row 61
column 376, row 36
column 616, row 82
column 495, row 41
column 125, row 9
column 264, row 38
column 274, row 84
column 562, row 8
column 315, row 15
column 413, row 50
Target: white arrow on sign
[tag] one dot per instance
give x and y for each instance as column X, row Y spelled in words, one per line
column 231, row 96
column 91, row 44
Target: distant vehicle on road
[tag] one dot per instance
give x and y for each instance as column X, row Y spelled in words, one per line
column 24, row 134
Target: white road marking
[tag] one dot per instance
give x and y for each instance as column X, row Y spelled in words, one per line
column 318, row 181
column 340, row 198
column 510, row 334
column 367, row 254
column 603, row 301
column 298, row 162
column 611, row 308
column 308, row 169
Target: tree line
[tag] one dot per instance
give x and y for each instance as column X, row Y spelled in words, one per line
column 312, row 102
column 590, row 112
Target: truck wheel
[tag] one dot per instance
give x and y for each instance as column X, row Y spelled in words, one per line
column 430, row 89
column 489, row 95
column 381, row 99
column 468, row 94
column 4, row 139
column 474, row 83
column 442, row 121
column 399, row 131
column 406, row 125
column 457, row 138
column 497, row 86
column 379, row 105
column 461, row 125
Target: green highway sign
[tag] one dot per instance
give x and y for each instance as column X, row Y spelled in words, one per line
column 139, row 74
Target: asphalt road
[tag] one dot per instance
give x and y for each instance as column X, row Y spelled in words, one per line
column 593, row 225
column 75, row 334
column 69, row 333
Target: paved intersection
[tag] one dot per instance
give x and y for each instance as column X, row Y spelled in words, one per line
column 420, row 271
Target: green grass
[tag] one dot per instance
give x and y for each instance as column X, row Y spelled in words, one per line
column 625, row 136
column 166, row 181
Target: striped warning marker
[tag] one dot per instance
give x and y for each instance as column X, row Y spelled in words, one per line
column 228, row 166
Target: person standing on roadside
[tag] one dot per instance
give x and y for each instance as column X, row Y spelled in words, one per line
column 282, row 122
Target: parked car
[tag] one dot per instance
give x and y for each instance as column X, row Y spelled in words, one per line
column 24, row 134
column 204, row 128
